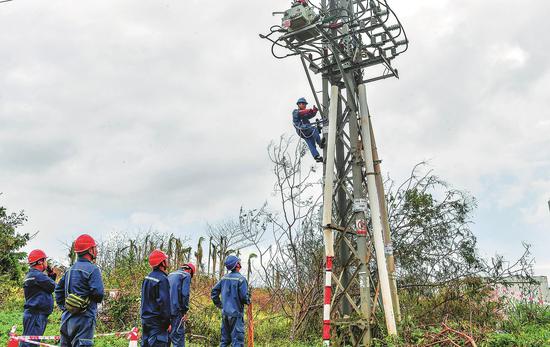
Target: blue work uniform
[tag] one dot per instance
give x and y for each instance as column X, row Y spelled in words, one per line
column 180, row 286
column 155, row 309
column 38, row 289
column 234, row 295
column 82, row 279
column 306, row 130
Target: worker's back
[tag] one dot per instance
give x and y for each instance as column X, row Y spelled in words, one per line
column 155, row 299
column 38, row 289
column 234, row 294
column 179, row 291
column 82, row 279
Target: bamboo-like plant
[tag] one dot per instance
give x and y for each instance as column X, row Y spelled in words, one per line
column 209, row 255
column 198, row 255
column 249, row 266
column 214, row 258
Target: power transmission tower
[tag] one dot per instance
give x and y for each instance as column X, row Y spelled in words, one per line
column 349, row 43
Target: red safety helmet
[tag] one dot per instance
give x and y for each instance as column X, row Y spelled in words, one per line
column 191, row 267
column 83, row 243
column 35, row 256
column 156, row 257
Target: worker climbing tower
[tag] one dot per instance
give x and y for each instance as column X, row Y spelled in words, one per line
column 349, row 43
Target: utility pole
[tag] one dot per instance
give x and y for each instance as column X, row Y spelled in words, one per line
column 349, row 43
column 388, row 247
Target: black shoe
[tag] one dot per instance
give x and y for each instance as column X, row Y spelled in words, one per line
column 318, row 159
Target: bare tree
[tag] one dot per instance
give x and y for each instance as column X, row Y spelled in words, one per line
column 226, row 237
column 288, row 243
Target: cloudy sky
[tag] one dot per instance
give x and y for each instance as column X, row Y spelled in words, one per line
column 130, row 114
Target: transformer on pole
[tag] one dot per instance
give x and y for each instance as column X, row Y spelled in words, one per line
column 349, row 43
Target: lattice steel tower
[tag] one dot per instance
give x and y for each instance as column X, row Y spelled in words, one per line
column 349, row 43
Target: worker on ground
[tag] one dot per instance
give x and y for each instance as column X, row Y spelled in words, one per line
column 306, row 130
column 180, row 287
column 155, row 302
column 78, row 293
column 234, row 295
column 38, row 289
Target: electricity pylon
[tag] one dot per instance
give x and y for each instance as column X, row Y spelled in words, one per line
column 349, row 43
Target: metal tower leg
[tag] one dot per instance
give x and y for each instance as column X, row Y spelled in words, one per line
column 343, row 255
column 359, row 207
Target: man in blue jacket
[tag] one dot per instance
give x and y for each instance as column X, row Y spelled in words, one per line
column 38, row 289
column 155, row 302
column 77, row 295
column 180, row 287
column 306, row 130
column 234, row 295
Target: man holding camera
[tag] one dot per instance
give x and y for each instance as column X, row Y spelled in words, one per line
column 38, row 289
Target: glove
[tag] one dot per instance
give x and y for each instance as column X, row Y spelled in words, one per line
column 315, row 109
column 170, row 328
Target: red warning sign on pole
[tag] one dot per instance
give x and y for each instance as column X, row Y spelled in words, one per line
column 361, row 227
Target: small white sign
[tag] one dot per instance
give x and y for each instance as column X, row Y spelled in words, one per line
column 388, row 249
column 360, row 205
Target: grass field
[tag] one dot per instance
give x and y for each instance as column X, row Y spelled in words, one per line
column 522, row 326
column 13, row 316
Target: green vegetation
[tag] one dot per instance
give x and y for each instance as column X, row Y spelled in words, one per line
column 11, row 243
column 445, row 286
column 492, row 324
column 269, row 331
column 525, row 325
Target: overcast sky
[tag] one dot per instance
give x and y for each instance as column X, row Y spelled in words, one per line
column 130, row 114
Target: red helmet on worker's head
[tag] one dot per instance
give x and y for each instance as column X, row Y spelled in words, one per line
column 191, row 267
column 156, row 257
column 83, row 243
column 35, row 256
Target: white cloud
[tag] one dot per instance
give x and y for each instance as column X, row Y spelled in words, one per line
column 508, row 55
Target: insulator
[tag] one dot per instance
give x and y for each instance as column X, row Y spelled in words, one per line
column 394, row 27
column 402, row 42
